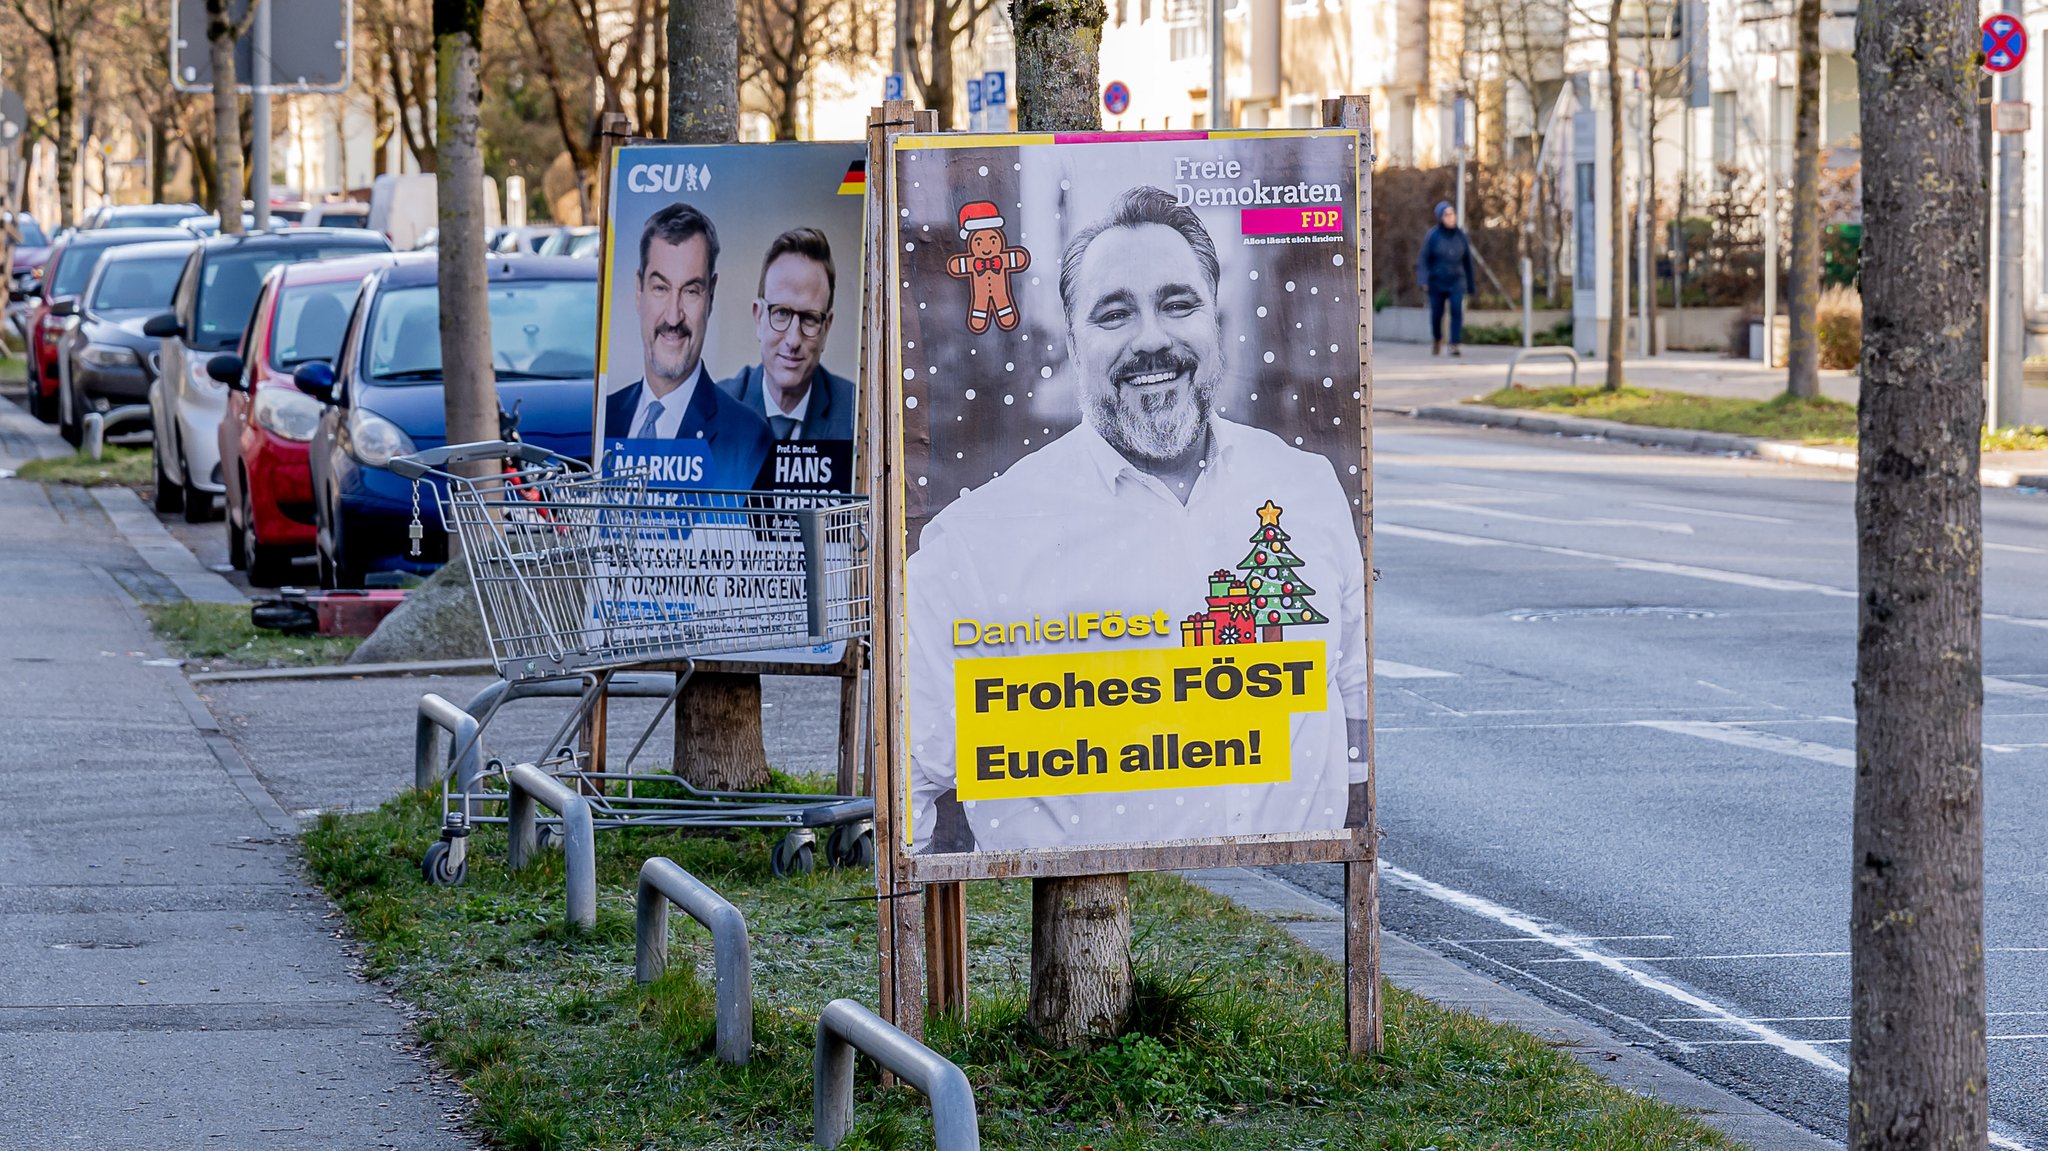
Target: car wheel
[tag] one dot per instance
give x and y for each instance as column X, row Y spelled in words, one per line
column 41, row 406
column 168, row 497
column 70, row 420
column 198, row 502
column 238, row 541
column 268, row 566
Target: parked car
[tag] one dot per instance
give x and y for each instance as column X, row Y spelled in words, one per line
column 212, row 306
column 383, row 399
column 580, row 241
column 25, row 270
column 104, row 359
column 404, row 207
column 70, row 269
column 300, row 317
column 138, row 216
column 336, row 214
column 525, row 240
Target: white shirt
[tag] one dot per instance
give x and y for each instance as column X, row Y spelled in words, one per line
column 673, row 406
column 1075, row 527
column 772, row 407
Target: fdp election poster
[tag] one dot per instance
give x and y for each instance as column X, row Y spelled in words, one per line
column 728, row 359
column 1132, row 411
column 731, row 324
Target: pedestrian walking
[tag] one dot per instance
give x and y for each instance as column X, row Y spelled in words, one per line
column 1445, row 269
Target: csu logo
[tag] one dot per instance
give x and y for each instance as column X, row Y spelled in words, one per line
column 668, row 177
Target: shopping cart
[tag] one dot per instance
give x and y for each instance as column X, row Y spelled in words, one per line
column 580, row 575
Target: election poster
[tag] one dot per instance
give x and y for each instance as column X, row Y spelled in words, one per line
column 727, row 363
column 730, row 324
column 1131, row 411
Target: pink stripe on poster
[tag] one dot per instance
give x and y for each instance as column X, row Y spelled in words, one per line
column 1123, row 137
column 1291, row 221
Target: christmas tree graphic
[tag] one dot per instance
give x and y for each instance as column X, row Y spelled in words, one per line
column 1279, row 596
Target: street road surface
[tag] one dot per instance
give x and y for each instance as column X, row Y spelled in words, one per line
column 1615, row 750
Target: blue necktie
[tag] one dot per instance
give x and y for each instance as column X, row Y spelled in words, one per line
column 783, row 426
column 647, row 426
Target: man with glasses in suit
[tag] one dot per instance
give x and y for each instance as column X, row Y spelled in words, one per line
column 792, row 318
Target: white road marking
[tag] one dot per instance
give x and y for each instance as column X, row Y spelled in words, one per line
column 1497, row 963
column 1989, row 546
column 1580, row 938
column 1687, row 571
column 1683, row 510
column 1757, row 740
column 1683, row 958
column 1817, row 1018
column 1841, row 1042
column 1800, row 1049
column 1566, row 942
column 1994, row 685
column 1392, row 670
column 1561, row 521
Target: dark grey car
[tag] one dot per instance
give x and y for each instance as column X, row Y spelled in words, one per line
column 104, row 360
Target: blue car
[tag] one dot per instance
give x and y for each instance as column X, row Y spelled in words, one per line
column 382, row 398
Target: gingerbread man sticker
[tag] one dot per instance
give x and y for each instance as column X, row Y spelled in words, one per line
column 987, row 265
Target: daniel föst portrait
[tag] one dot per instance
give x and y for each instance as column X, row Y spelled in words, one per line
column 1152, row 490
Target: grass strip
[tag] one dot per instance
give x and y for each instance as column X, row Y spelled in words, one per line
column 1238, row 1042
column 221, row 633
column 1782, row 417
column 128, row 467
column 1815, row 421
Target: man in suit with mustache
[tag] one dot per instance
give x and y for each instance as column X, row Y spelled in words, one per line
column 676, row 396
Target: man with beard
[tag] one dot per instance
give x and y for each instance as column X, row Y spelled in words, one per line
column 676, row 397
column 1130, row 512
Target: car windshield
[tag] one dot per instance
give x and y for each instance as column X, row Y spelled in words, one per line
column 160, row 218
column 586, row 244
column 310, row 321
column 230, row 280
column 74, row 270
column 144, row 284
column 32, row 235
column 540, row 329
column 345, row 220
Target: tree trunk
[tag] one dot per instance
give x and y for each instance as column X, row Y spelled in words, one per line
column 790, row 83
column 1917, row 1061
column 703, row 72
column 939, row 92
column 1802, row 352
column 227, row 118
column 1080, row 927
column 65, row 94
column 1080, row 956
column 718, row 716
column 469, row 389
column 159, row 155
column 1617, row 209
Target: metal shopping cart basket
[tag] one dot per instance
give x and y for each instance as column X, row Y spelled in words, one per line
column 583, row 575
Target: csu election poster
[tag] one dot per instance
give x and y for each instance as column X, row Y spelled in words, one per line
column 728, row 362
column 1132, row 410
column 731, row 325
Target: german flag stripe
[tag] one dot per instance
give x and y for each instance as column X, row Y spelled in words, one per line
column 855, row 181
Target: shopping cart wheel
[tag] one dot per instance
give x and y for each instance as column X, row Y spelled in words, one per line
column 851, row 845
column 439, row 871
column 795, row 854
column 546, row 838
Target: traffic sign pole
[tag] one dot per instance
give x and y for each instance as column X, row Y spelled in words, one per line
column 259, row 120
column 2005, row 48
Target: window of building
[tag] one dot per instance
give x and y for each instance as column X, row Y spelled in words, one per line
column 1724, row 114
column 1187, row 23
column 1302, row 111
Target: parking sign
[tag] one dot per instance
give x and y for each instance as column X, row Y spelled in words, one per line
column 995, row 89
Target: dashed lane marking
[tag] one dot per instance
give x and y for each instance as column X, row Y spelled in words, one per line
column 1756, row 740
column 1391, row 670
column 1719, row 515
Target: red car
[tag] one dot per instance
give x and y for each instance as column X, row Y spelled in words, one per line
column 300, row 317
column 70, row 269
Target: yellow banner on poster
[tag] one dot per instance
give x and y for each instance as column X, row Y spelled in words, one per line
column 1080, row 723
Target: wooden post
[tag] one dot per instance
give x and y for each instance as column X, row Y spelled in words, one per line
column 1362, row 1008
column 614, row 129
column 851, row 779
column 900, row 913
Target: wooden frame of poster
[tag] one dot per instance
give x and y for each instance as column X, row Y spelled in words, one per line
column 921, row 904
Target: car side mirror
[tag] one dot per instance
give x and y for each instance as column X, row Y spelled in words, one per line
column 226, row 368
column 64, row 307
column 163, row 326
column 315, row 378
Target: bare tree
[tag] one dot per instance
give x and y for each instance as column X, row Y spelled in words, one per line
column 1802, row 354
column 401, row 41
column 59, row 24
column 1917, row 1061
column 1081, row 978
column 1617, row 208
column 785, row 43
column 929, row 63
column 469, row 390
column 571, row 105
column 223, row 28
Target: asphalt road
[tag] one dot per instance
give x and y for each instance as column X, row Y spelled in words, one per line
column 1615, row 733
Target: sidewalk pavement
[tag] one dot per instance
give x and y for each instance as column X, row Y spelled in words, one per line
column 174, row 980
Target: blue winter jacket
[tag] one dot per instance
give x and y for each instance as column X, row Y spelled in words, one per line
column 1445, row 264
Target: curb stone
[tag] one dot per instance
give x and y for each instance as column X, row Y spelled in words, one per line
column 1715, row 443
column 1319, row 924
